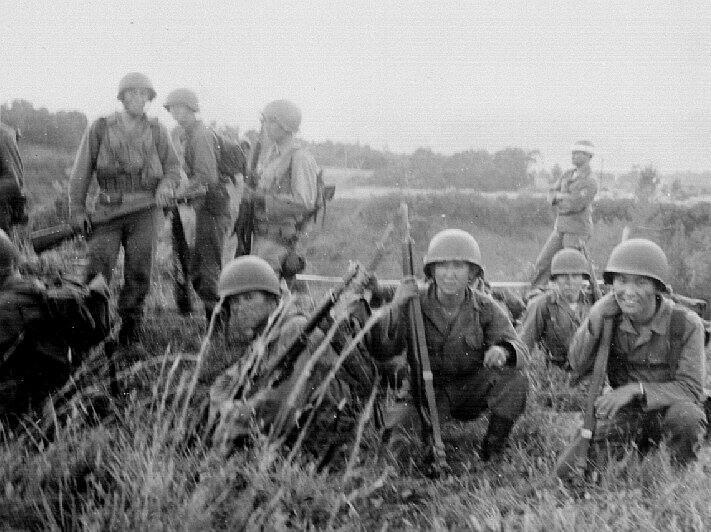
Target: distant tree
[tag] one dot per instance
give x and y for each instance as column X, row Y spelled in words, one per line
column 63, row 129
column 647, row 184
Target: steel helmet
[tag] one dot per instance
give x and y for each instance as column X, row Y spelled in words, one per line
column 135, row 80
column 183, row 96
column 570, row 261
column 584, row 146
column 247, row 273
column 9, row 254
column 284, row 113
column 452, row 244
column 638, row 256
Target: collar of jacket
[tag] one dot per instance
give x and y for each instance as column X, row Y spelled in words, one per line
column 434, row 311
column 659, row 323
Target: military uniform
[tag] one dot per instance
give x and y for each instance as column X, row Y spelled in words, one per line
column 130, row 165
column 287, row 179
column 668, row 359
column 212, row 216
column 10, row 176
column 573, row 224
column 464, row 387
column 552, row 321
column 43, row 330
column 234, row 417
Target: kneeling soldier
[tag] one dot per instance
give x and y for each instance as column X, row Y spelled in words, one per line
column 475, row 355
column 656, row 361
column 553, row 316
column 43, row 331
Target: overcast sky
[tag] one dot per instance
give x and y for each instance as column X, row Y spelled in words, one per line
column 634, row 77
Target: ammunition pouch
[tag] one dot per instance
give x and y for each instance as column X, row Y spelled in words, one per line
column 112, row 182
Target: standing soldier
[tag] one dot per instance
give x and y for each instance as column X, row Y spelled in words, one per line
column 11, row 198
column 43, row 330
column 475, row 355
column 133, row 160
column 286, row 194
column 572, row 196
column 656, row 361
column 212, row 215
column 553, row 316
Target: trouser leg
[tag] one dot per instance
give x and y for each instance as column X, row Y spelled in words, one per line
column 5, row 216
column 542, row 268
column 181, row 263
column 683, row 426
column 210, row 233
column 139, row 245
column 103, row 249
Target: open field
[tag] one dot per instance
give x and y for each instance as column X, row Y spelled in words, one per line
column 127, row 462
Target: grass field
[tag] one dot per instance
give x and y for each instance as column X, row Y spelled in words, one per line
column 128, row 462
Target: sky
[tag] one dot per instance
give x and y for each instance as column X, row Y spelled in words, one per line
column 633, row 77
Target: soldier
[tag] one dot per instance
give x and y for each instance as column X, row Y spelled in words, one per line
column 11, row 198
column 572, row 196
column 134, row 161
column 553, row 316
column 43, row 330
column 656, row 362
column 212, row 215
column 475, row 354
column 286, row 194
column 251, row 288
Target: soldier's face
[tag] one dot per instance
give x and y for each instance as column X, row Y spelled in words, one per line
column 636, row 295
column 252, row 308
column 135, row 100
column 182, row 114
column 273, row 130
column 452, row 277
column 579, row 158
column 569, row 285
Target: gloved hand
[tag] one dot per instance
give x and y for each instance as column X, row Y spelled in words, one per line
column 165, row 193
column 604, row 308
column 80, row 222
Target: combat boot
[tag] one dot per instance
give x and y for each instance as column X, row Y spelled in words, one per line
column 496, row 438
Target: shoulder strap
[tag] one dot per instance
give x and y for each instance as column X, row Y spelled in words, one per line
column 94, row 146
column 677, row 331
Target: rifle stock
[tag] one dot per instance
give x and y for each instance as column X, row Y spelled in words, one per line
column 51, row 237
column 575, row 456
column 419, row 361
column 244, row 225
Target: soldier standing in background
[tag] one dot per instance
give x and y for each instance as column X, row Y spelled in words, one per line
column 11, row 198
column 133, row 160
column 286, row 194
column 656, row 362
column 212, row 215
column 572, row 196
column 553, row 316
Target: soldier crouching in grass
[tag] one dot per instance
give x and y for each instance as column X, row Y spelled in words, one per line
column 475, row 355
column 262, row 389
column 43, row 332
column 656, row 362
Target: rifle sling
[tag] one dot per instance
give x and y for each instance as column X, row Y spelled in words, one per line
column 599, row 374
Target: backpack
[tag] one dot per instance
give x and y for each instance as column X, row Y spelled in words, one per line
column 231, row 159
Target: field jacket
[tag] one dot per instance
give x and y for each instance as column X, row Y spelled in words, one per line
column 456, row 349
column 575, row 192
column 669, row 362
column 552, row 321
column 10, row 164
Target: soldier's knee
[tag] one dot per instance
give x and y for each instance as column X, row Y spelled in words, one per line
column 511, row 402
column 684, row 421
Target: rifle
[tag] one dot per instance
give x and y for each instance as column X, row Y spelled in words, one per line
column 596, row 292
column 419, row 361
column 575, row 456
column 51, row 237
column 244, row 225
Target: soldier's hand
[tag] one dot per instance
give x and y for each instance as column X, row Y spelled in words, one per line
column 405, row 291
column 165, row 194
column 495, row 357
column 81, row 223
column 604, row 308
column 607, row 406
